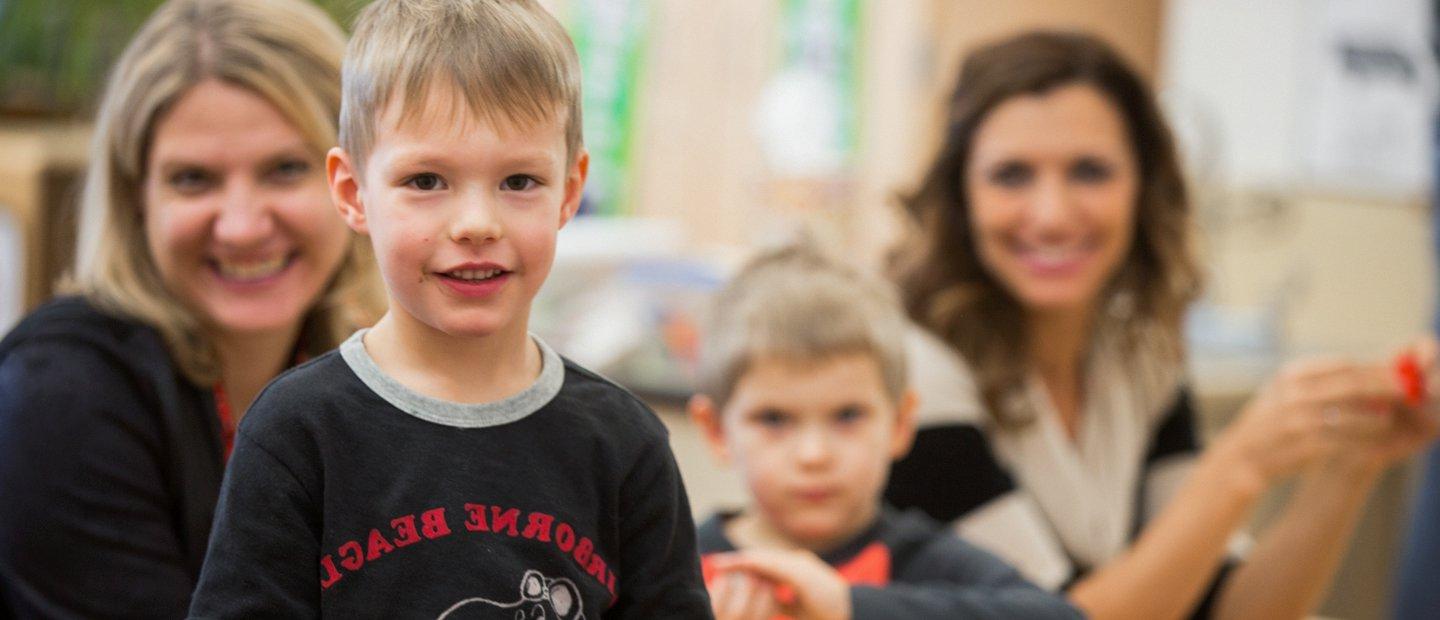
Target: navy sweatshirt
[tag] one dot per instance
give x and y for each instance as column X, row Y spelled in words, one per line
column 350, row 495
column 906, row 565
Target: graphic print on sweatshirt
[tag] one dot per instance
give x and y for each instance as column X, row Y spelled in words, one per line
column 491, row 544
column 541, row 598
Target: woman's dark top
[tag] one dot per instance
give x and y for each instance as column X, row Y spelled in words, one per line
column 110, row 466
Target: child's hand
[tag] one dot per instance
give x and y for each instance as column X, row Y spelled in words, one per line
column 740, row 595
column 819, row 592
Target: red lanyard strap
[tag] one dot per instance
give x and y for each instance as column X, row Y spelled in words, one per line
column 227, row 421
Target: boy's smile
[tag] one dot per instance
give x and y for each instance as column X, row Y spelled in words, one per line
column 814, row 441
column 475, row 279
column 463, row 211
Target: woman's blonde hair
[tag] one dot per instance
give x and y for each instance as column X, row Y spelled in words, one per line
column 286, row 51
column 948, row 290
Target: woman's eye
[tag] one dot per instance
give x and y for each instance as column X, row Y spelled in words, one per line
column 1090, row 170
column 518, row 182
column 1011, row 175
column 290, row 169
column 190, row 180
column 426, row 182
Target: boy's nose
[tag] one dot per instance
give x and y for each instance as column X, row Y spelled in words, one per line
column 476, row 222
column 813, row 448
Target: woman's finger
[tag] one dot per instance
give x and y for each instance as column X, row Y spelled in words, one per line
column 1303, row 373
column 1349, row 423
column 1354, row 386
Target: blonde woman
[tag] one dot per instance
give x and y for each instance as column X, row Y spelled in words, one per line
column 1050, row 268
column 211, row 262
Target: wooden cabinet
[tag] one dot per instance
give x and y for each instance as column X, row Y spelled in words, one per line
column 41, row 165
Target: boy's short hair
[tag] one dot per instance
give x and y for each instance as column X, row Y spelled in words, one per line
column 798, row 304
column 509, row 60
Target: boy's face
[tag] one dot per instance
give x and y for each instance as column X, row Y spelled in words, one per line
column 814, row 441
column 463, row 214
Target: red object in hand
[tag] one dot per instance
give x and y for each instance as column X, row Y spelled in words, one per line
column 1412, row 381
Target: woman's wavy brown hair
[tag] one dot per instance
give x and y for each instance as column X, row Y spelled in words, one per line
column 947, row 289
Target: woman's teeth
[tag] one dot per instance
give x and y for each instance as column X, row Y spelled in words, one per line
column 1055, row 255
column 474, row 274
column 254, row 270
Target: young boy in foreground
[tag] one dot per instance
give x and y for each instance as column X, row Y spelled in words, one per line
column 446, row 463
column 803, row 383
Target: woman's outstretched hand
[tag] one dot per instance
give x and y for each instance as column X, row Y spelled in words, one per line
column 1370, row 414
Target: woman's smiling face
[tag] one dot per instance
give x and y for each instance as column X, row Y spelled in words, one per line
column 237, row 213
column 1052, row 183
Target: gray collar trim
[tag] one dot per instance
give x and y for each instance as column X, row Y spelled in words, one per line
column 460, row 415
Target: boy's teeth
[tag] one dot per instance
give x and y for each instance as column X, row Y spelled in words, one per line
column 252, row 271
column 475, row 274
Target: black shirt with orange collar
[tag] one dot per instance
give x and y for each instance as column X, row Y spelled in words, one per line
column 905, row 565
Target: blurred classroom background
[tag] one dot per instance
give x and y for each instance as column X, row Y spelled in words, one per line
column 720, row 126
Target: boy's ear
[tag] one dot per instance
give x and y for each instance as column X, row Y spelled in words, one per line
column 575, row 186
column 707, row 417
column 345, row 189
column 905, row 421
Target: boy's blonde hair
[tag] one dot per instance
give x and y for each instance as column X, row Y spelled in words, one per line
column 286, row 51
column 796, row 303
column 509, row 60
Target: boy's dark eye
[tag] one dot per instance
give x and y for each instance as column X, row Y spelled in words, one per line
column 518, row 182
column 771, row 418
column 850, row 414
column 1011, row 174
column 1090, row 170
column 426, row 182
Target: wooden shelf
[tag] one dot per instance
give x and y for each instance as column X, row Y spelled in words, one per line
column 40, row 173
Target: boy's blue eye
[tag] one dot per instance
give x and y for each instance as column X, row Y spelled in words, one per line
column 518, row 182
column 426, row 182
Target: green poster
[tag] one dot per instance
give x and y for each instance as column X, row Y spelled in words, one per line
column 609, row 37
column 822, row 39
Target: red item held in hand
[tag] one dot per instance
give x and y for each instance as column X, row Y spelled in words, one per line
column 1412, row 380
